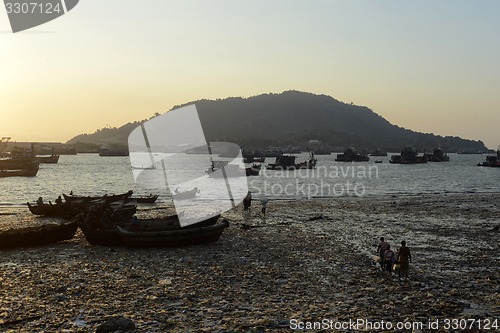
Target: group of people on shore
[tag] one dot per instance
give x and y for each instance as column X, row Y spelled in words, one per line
column 247, row 202
column 390, row 259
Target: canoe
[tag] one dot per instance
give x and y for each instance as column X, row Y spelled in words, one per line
column 60, row 210
column 99, row 230
column 108, row 198
column 71, row 209
column 37, row 235
column 173, row 238
column 186, row 195
column 149, row 199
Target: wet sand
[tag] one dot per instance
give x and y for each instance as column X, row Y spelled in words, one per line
column 308, row 261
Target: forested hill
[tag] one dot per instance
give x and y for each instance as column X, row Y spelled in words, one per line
column 293, row 118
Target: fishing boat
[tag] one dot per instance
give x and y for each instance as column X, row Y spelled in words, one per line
column 185, row 195
column 38, row 235
column 48, row 209
column 173, row 238
column 99, row 229
column 253, row 158
column 492, row 160
column 20, row 159
column 111, row 152
column 408, row 156
column 350, row 155
column 109, row 198
column 287, row 162
column 253, row 170
column 31, row 172
column 147, row 199
column 52, row 159
column 221, row 169
column 437, row 156
column 378, row 152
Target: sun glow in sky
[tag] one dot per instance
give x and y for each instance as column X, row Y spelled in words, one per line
column 431, row 66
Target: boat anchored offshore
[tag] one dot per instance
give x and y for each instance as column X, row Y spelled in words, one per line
column 350, row 155
column 437, row 156
column 492, row 160
column 287, row 162
column 408, row 156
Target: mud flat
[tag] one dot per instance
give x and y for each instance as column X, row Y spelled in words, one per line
column 308, row 262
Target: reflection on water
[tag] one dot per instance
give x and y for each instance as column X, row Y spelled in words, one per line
column 90, row 174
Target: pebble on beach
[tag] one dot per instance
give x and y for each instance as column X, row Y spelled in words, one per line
column 306, row 262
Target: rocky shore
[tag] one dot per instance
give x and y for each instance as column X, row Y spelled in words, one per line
column 307, row 263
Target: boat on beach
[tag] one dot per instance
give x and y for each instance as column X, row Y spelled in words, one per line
column 109, row 198
column 100, row 229
column 144, row 200
column 38, row 235
column 173, row 238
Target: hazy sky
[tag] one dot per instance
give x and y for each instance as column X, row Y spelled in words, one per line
column 431, row 66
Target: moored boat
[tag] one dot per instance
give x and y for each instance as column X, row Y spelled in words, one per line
column 408, row 156
column 350, row 155
column 185, row 195
column 38, row 235
column 253, row 170
column 109, row 198
column 100, row 229
column 378, row 152
column 437, row 156
column 31, row 172
column 173, row 238
column 147, row 199
column 287, row 162
column 52, row 159
column 492, row 160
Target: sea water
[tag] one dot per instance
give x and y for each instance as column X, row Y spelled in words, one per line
column 90, row 174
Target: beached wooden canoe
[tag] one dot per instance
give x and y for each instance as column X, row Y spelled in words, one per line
column 173, row 238
column 99, row 229
column 61, row 210
column 148, row 199
column 38, row 235
column 108, row 198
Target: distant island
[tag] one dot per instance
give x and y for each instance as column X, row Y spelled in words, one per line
column 294, row 119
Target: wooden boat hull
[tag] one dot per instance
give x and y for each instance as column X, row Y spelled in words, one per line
column 19, row 173
column 38, row 235
column 148, row 199
column 59, row 210
column 97, row 233
column 185, row 195
column 173, row 238
column 53, row 159
column 108, row 198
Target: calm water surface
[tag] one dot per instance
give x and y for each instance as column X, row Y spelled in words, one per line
column 90, row 174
